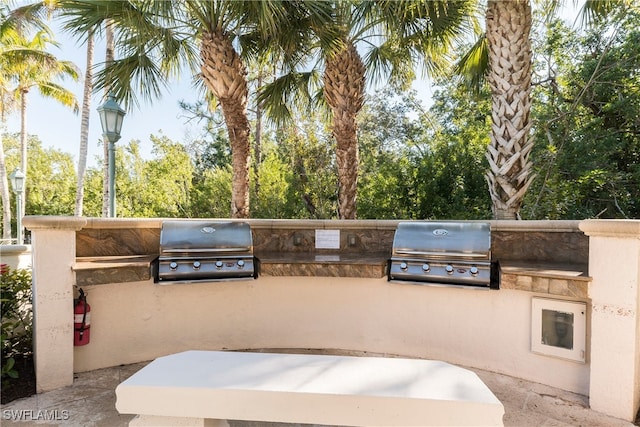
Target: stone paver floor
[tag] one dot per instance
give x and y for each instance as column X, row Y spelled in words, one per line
column 90, row 401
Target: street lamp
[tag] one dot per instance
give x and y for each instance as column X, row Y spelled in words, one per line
column 17, row 179
column 111, row 116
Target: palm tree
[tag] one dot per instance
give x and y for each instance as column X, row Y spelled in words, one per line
column 212, row 39
column 224, row 73
column 41, row 73
column 37, row 12
column 5, row 101
column 395, row 36
column 12, row 53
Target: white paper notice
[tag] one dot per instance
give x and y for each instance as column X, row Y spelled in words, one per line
column 327, row 239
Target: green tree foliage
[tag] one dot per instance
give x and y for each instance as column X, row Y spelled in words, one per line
column 211, row 194
column 387, row 134
column 308, row 152
column 588, row 158
column 173, row 167
column 50, row 183
column 159, row 187
column 210, row 152
column 429, row 166
column 209, row 149
column 276, row 179
column 297, row 173
column 452, row 169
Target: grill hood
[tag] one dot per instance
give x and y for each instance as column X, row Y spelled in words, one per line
column 443, row 240
column 205, row 237
column 196, row 251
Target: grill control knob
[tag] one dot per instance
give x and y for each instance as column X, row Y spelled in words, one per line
column 173, row 265
column 449, row 269
column 196, row 265
column 403, row 266
column 219, row 264
column 240, row 263
column 473, row 270
column 426, row 268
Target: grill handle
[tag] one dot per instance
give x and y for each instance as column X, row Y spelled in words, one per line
column 441, row 254
column 204, row 250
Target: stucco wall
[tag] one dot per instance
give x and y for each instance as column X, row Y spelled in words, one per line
column 16, row 256
column 139, row 321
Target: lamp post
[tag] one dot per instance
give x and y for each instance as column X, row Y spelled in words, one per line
column 17, row 179
column 111, row 116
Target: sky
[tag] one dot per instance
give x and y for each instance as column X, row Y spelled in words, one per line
column 58, row 127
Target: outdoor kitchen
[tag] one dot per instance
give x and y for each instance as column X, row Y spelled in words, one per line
column 339, row 285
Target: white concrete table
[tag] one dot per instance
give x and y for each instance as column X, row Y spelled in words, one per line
column 205, row 388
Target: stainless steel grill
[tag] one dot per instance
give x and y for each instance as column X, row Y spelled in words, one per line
column 446, row 253
column 193, row 251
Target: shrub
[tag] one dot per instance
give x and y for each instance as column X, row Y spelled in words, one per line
column 16, row 318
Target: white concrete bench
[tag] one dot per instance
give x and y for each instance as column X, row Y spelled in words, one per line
column 206, row 388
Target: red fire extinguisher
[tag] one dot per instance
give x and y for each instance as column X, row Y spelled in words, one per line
column 81, row 320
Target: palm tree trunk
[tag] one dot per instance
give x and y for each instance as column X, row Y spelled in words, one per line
column 508, row 28
column 238, row 129
column 84, row 127
column 347, row 159
column 23, row 144
column 344, row 91
column 4, row 192
column 109, row 57
column 257, row 149
column 226, row 77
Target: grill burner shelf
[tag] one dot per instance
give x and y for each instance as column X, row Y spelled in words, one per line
column 457, row 254
column 196, row 251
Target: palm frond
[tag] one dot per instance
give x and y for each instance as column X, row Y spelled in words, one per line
column 295, row 89
column 61, row 94
column 126, row 77
column 595, row 11
column 27, row 18
column 473, row 66
column 20, row 55
column 153, row 40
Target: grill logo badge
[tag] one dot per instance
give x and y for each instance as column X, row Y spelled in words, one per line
column 207, row 230
column 440, row 232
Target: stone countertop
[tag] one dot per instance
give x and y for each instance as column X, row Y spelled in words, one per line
column 99, row 270
column 324, row 264
column 561, row 279
column 551, row 270
column 100, row 262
